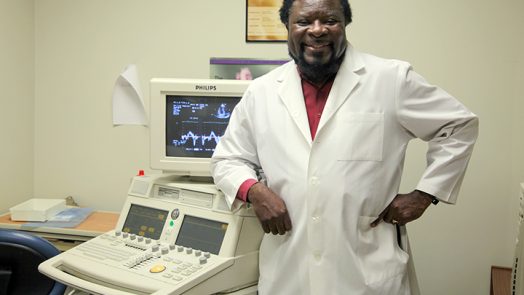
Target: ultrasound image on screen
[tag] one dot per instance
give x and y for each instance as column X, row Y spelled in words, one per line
column 194, row 125
column 145, row 221
column 201, row 234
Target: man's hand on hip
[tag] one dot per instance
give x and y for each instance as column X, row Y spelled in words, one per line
column 270, row 209
column 405, row 208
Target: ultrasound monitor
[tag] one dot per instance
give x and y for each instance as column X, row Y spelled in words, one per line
column 194, row 125
column 188, row 118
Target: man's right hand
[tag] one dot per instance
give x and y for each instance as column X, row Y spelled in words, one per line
column 270, row 209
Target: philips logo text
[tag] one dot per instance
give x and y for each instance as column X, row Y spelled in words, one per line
column 206, row 87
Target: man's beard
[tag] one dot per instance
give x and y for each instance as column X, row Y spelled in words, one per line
column 317, row 72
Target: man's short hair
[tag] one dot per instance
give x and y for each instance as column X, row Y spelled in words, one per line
column 286, row 9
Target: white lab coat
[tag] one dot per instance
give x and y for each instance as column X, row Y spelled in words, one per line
column 336, row 185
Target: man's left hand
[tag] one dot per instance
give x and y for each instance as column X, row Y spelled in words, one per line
column 405, row 208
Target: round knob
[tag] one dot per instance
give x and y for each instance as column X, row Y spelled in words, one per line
column 118, row 233
column 189, row 250
column 155, row 248
column 207, row 255
column 172, row 246
column 148, row 241
column 198, row 252
column 125, row 235
column 180, row 248
column 202, row 260
column 165, row 250
column 140, row 238
column 132, row 237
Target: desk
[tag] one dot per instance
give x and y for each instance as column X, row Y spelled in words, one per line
column 500, row 280
column 95, row 224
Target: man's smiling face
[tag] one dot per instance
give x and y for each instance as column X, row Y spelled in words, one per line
column 317, row 35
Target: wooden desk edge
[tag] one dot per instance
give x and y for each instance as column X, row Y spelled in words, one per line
column 96, row 223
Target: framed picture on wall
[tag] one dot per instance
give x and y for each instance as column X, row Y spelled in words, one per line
column 263, row 21
column 241, row 68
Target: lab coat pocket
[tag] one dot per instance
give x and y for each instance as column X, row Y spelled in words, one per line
column 361, row 136
column 379, row 254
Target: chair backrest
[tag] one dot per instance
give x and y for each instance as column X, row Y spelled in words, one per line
column 20, row 255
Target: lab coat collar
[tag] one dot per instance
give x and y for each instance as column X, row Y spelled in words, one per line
column 345, row 82
column 290, row 91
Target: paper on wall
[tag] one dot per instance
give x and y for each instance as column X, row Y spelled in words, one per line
column 128, row 105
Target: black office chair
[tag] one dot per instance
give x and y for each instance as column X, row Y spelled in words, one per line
column 20, row 255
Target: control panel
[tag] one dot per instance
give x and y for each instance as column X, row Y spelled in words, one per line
column 171, row 238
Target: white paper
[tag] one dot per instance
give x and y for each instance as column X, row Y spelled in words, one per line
column 128, row 105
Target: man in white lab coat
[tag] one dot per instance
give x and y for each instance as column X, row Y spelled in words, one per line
column 329, row 130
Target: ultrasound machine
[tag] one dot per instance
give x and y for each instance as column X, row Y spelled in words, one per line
column 176, row 234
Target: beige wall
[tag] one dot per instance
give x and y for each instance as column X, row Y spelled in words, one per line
column 471, row 48
column 16, row 101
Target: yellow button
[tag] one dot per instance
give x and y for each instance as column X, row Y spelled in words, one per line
column 157, row 268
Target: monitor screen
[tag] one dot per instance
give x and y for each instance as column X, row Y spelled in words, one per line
column 195, row 124
column 145, row 221
column 201, row 234
column 188, row 118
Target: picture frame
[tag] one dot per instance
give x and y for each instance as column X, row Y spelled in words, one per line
column 263, row 21
column 242, row 68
